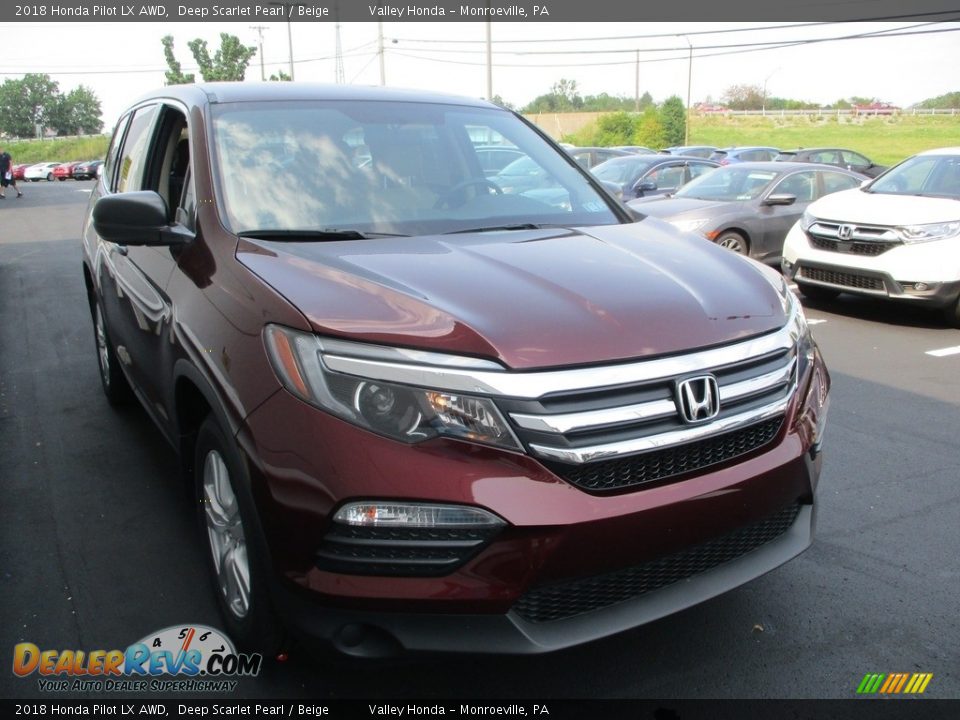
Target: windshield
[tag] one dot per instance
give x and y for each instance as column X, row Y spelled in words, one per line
column 728, row 183
column 387, row 167
column 932, row 175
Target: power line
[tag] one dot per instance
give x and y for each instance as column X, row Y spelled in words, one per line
column 907, row 16
column 743, row 48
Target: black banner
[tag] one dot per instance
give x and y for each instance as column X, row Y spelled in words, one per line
column 246, row 11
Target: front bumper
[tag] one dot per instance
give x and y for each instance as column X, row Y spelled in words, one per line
column 894, row 274
column 305, row 463
column 378, row 634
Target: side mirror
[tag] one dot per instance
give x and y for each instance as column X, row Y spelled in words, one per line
column 99, row 171
column 646, row 186
column 780, row 199
column 136, row 218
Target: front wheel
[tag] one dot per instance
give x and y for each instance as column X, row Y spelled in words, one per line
column 114, row 382
column 734, row 241
column 49, row 177
column 951, row 314
column 228, row 522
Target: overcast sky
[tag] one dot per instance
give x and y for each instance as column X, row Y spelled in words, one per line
column 119, row 61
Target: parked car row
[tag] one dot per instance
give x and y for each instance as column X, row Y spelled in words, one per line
column 77, row 170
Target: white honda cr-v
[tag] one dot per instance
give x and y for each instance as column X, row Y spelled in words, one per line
column 896, row 237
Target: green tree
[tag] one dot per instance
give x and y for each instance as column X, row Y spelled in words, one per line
column 650, row 132
column 673, row 118
column 174, row 76
column 228, row 63
column 280, row 76
column 28, row 104
column 948, row 101
column 77, row 113
column 497, row 100
column 618, row 128
column 743, row 97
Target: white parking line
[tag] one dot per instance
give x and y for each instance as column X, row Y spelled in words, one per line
column 815, row 321
column 943, row 352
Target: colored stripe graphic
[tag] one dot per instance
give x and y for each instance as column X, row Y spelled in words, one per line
column 894, row 683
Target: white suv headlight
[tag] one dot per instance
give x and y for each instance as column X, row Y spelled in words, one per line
column 806, row 220
column 927, row 233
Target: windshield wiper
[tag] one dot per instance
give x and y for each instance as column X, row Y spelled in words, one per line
column 495, row 228
column 321, row 235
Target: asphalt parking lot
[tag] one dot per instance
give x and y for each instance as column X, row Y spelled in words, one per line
column 98, row 545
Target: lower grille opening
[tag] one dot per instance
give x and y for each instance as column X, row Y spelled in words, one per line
column 575, row 597
column 844, row 279
column 660, row 464
column 853, row 247
column 409, row 552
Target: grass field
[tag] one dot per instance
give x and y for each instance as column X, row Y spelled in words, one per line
column 58, row 149
column 885, row 140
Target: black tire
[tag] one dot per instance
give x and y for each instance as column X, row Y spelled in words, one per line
column 734, row 241
column 61, row 179
column 112, row 379
column 50, row 177
column 816, row 292
column 951, row 314
column 228, row 516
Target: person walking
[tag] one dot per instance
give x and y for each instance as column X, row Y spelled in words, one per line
column 6, row 174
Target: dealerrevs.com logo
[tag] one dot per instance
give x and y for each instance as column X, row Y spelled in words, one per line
column 181, row 658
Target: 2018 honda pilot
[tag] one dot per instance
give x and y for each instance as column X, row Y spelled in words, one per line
column 421, row 412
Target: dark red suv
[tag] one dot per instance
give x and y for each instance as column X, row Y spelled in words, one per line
column 422, row 412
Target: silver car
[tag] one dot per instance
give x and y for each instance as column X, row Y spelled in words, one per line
column 749, row 207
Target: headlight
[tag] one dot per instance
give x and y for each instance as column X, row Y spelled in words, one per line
column 806, row 220
column 402, row 412
column 688, row 225
column 926, row 233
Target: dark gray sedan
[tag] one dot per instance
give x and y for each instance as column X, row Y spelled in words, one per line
column 650, row 175
column 750, row 207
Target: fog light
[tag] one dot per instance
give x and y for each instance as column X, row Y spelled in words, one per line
column 920, row 286
column 396, row 514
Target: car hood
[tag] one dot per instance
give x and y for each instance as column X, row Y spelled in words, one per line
column 856, row 206
column 669, row 207
column 530, row 299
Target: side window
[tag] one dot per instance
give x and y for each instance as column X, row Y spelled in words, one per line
column 834, row 182
column 802, row 185
column 169, row 159
column 583, row 159
column 698, row 169
column 110, row 164
column 667, row 177
column 852, row 158
column 133, row 157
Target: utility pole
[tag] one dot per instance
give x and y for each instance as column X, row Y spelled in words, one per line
column 290, row 46
column 338, row 70
column 686, row 128
column 636, row 91
column 260, row 29
column 489, row 60
column 383, row 72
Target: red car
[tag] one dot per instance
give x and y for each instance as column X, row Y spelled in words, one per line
column 64, row 171
column 18, row 170
column 420, row 412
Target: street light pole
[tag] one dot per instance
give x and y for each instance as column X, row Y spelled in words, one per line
column 686, row 116
column 290, row 47
column 489, row 61
column 383, row 71
column 260, row 29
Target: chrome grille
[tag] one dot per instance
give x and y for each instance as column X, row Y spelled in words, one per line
column 614, row 437
column 851, row 238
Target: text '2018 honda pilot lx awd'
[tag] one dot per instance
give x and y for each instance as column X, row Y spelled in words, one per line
column 422, row 412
